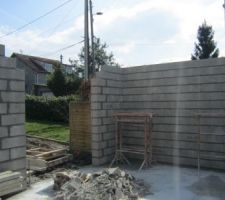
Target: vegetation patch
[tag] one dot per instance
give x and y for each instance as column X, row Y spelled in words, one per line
column 50, row 130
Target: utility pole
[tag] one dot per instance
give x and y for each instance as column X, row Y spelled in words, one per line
column 86, row 41
column 92, row 39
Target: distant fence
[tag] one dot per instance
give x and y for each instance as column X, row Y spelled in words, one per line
column 175, row 92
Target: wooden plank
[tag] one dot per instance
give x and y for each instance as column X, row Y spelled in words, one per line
column 59, row 160
column 51, row 153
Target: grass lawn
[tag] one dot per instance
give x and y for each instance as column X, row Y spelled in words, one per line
column 48, row 130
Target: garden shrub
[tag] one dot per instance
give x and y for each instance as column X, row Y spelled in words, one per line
column 54, row 109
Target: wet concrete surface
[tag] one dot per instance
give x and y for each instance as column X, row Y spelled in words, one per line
column 165, row 182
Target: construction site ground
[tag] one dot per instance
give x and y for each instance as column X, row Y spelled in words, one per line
column 164, row 181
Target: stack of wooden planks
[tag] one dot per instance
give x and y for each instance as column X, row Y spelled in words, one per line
column 41, row 159
column 10, row 182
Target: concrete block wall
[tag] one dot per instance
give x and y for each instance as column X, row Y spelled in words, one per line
column 12, row 115
column 175, row 92
column 105, row 99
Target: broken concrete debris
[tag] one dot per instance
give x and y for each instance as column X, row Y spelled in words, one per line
column 109, row 184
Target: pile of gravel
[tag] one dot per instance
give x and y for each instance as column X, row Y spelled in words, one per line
column 110, row 184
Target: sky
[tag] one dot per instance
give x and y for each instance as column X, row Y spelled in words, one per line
column 138, row 32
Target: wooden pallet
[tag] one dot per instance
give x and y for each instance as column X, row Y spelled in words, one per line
column 10, row 182
column 41, row 159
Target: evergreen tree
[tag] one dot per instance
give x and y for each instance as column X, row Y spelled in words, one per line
column 206, row 46
column 57, row 82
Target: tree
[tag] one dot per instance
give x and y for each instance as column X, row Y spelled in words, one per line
column 102, row 57
column 57, row 82
column 62, row 84
column 206, row 46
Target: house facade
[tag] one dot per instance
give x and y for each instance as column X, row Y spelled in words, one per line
column 37, row 70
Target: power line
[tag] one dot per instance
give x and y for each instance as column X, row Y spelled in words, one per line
column 63, row 21
column 66, row 47
column 36, row 19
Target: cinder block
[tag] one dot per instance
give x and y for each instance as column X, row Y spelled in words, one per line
column 98, row 129
column 96, row 121
column 98, row 82
column 108, row 151
column 12, row 142
column 100, row 161
column 96, row 90
column 2, row 50
column 13, row 97
column 108, row 136
column 98, row 145
column 13, row 74
column 14, row 165
column 4, row 155
column 112, row 83
column 13, row 119
column 19, row 152
column 96, row 105
column 97, row 153
column 3, row 131
column 17, row 108
column 96, row 137
column 3, row 84
column 111, row 143
column 3, row 108
column 98, row 113
column 107, row 90
column 17, row 130
column 7, row 62
column 114, row 98
column 17, row 85
column 98, row 98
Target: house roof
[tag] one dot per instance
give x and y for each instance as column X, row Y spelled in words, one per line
column 32, row 62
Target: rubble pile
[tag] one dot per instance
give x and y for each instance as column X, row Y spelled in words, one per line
column 110, row 184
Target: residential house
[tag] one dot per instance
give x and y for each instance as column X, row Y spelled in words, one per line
column 37, row 70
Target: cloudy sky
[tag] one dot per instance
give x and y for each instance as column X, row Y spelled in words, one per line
column 138, row 32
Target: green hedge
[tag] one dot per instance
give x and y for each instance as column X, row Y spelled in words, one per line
column 54, row 109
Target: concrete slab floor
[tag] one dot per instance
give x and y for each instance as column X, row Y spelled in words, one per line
column 166, row 183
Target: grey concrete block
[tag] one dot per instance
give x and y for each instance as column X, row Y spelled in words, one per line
column 17, row 85
column 114, row 98
column 98, row 113
column 112, row 105
column 12, row 119
column 3, row 108
column 12, row 142
column 19, row 152
column 17, row 108
column 111, row 91
column 98, row 98
column 7, row 62
column 14, row 165
column 96, row 137
column 108, row 136
column 16, row 97
column 96, row 90
column 98, row 82
column 3, row 84
column 100, row 161
column 96, row 105
column 115, row 84
column 3, row 131
column 97, row 153
column 108, row 151
column 96, row 121
column 98, row 145
column 98, row 129
column 12, row 74
column 17, row 130
column 4, row 155
column 2, row 50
